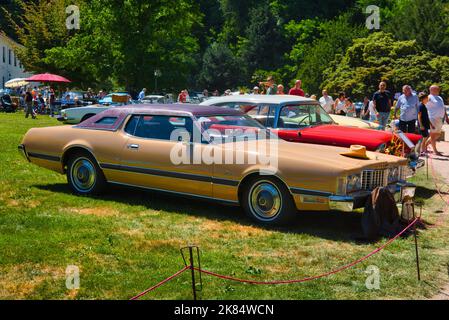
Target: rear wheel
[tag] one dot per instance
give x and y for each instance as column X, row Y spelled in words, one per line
column 84, row 175
column 268, row 201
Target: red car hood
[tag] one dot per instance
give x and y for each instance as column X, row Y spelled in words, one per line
column 341, row 136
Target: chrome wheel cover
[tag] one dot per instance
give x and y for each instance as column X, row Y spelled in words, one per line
column 265, row 200
column 83, row 175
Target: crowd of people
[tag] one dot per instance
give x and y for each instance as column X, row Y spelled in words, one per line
column 427, row 110
column 44, row 99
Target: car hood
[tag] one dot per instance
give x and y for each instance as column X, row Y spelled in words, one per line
column 328, row 158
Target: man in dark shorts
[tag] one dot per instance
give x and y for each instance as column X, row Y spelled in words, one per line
column 424, row 121
column 382, row 104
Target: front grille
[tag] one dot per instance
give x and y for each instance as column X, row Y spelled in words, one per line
column 371, row 179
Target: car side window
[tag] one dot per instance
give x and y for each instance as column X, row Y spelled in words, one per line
column 132, row 124
column 264, row 114
column 107, row 121
column 161, row 127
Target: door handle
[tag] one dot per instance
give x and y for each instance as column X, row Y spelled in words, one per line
column 133, row 146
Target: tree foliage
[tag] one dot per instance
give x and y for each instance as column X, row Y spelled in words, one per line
column 381, row 57
column 229, row 43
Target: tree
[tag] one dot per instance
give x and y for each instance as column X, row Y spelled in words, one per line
column 119, row 43
column 381, row 57
column 426, row 21
column 264, row 43
column 335, row 36
column 221, row 68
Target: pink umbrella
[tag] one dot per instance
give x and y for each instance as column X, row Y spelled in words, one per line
column 47, row 77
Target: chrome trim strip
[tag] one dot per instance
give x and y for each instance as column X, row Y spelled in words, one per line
column 170, row 174
column 176, row 193
column 44, row 157
column 310, row 192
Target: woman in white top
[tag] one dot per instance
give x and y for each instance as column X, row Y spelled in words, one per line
column 372, row 112
column 350, row 108
column 340, row 104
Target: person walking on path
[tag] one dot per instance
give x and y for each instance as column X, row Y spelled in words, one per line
column 408, row 104
column 437, row 113
column 52, row 102
column 29, row 104
column 365, row 109
column 327, row 102
column 296, row 90
column 423, row 120
column 382, row 105
column 142, row 94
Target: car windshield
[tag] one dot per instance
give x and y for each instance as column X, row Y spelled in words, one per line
column 300, row 116
column 228, row 128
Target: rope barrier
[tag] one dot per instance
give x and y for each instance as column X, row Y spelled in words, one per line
column 160, row 283
column 338, row 270
column 312, row 277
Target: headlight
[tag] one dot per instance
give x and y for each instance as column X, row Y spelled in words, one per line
column 394, row 175
column 381, row 148
column 354, row 183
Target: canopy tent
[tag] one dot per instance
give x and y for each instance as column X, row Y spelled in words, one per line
column 16, row 83
column 47, row 77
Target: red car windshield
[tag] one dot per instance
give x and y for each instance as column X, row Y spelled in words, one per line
column 301, row 116
column 237, row 127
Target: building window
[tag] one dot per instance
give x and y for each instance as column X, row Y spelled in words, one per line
column 15, row 61
column 4, row 54
column 9, row 56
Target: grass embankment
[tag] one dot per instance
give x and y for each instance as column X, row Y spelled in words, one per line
column 128, row 240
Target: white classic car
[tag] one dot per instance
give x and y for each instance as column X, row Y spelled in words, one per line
column 77, row 115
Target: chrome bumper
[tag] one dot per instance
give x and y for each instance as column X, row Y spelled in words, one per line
column 358, row 200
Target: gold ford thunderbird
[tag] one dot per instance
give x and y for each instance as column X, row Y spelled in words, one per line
column 209, row 153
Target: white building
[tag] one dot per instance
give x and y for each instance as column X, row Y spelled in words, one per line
column 10, row 66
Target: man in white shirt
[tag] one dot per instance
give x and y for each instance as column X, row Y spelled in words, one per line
column 142, row 94
column 327, row 102
column 437, row 113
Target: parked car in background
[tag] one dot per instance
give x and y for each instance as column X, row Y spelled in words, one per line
column 75, row 99
column 133, row 146
column 354, row 122
column 299, row 119
column 107, row 100
column 5, row 91
column 154, row 99
column 80, row 114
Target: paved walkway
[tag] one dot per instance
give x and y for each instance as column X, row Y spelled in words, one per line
column 441, row 165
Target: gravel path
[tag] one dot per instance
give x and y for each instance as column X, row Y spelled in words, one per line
column 441, row 165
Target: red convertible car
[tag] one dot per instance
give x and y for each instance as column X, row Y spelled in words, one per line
column 303, row 120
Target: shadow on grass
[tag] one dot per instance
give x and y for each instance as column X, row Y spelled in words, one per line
column 424, row 193
column 334, row 225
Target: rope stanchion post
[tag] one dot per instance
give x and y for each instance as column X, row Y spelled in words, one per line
column 192, row 269
column 190, row 264
column 416, row 252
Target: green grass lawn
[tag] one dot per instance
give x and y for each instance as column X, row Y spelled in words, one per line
column 128, row 240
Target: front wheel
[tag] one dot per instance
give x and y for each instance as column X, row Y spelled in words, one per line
column 84, row 175
column 268, row 201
